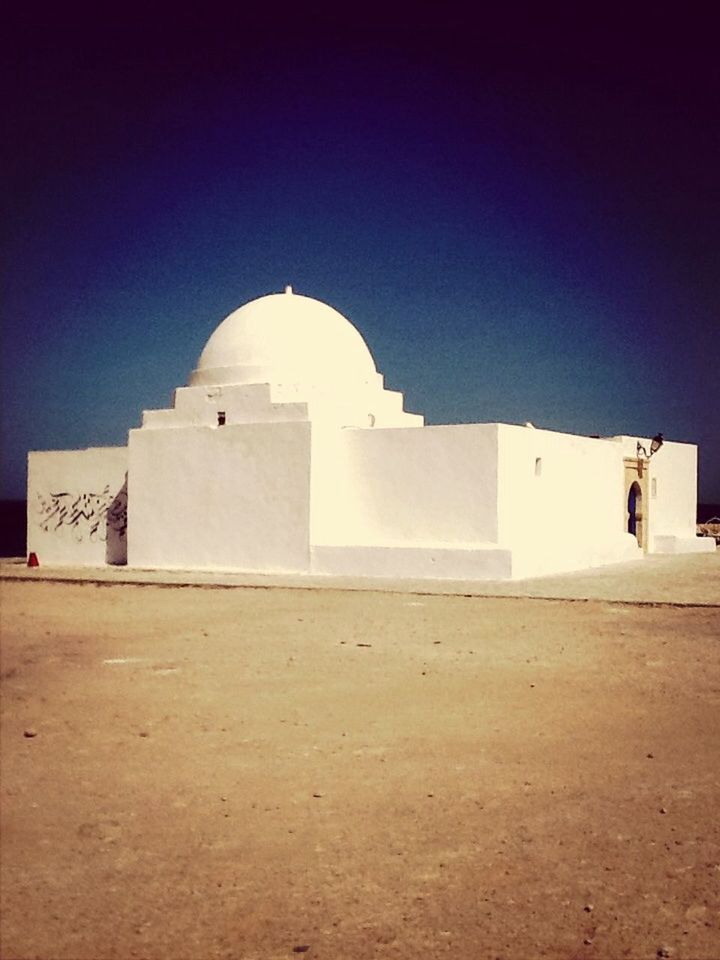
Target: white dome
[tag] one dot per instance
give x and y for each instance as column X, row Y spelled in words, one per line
column 286, row 339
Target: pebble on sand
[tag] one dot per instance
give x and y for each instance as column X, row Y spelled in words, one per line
column 30, row 732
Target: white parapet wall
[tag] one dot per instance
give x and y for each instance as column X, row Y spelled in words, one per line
column 77, row 506
column 233, row 497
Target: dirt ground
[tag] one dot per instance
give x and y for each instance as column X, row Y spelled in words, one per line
column 190, row 774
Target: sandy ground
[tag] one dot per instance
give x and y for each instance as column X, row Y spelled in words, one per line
column 190, row 774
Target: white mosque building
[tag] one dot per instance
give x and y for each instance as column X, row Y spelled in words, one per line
column 286, row 454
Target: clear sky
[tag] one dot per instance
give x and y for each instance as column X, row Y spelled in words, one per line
column 521, row 216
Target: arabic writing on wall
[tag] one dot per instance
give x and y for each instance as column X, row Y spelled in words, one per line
column 86, row 515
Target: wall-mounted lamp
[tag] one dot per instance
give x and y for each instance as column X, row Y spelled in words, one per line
column 655, row 444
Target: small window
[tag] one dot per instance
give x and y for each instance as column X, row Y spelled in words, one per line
column 538, row 466
column 371, row 419
column 653, row 487
column 221, row 418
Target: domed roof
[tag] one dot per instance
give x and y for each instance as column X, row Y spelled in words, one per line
column 285, row 338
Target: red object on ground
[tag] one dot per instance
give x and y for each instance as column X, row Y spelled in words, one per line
column 33, row 560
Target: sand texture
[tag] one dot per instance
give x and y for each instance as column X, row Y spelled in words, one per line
column 191, row 774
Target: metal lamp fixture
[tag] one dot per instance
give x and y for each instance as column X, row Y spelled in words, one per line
column 655, row 444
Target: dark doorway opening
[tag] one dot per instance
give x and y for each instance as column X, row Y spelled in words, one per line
column 634, row 524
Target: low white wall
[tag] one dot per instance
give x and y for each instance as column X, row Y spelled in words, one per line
column 413, row 562
column 561, row 501
column 674, row 544
column 232, row 497
column 77, row 506
column 409, row 486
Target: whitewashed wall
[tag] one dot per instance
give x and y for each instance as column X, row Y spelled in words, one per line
column 232, row 497
column 561, row 501
column 672, row 508
column 429, row 561
column 77, row 506
column 673, row 494
column 405, row 486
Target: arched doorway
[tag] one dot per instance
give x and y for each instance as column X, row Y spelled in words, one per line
column 634, row 509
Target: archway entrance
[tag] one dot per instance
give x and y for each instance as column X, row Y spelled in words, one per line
column 634, row 509
column 636, row 500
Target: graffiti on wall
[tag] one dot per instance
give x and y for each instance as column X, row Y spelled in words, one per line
column 86, row 515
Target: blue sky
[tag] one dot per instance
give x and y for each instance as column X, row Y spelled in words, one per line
column 522, row 222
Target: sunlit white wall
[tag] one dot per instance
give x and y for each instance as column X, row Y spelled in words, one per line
column 407, row 486
column 234, row 497
column 560, row 501
column 671, row 507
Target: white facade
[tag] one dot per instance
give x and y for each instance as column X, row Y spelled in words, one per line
column 204, row 497
column 287, row 454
